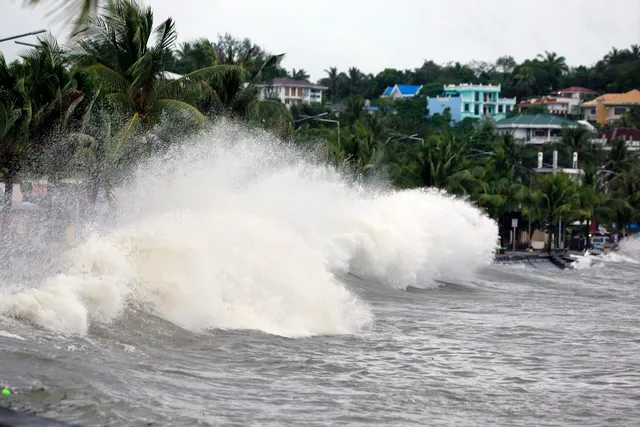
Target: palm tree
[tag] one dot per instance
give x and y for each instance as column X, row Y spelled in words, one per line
column 355, row 80
column 78, row 11
column 332, row 82
column 273, row 116
column 37, row 96
column 590, row 199
column 195, row 55
column 618, row 159
column 237, row 94
column 578, row 140
column 556, row 196
column 299, row 74
column 116, row 48
column 624, row 192
column 441, row 158
column 525, row 80
column 556, row 67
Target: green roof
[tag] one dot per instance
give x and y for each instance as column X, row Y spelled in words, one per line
column 536, row 120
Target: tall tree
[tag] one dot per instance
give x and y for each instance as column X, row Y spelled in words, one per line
column 556, row 197
column 116, row 46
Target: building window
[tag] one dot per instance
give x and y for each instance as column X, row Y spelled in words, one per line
column 300, row 92
column 466, row 107
column 508, row 108
column 593, row 111
column 477, row 96
column 500, row 108
column 618, row 111
column 476, row 109
column 286, row 101
column 286, row 91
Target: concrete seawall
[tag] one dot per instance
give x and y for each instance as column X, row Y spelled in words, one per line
column 561, row 259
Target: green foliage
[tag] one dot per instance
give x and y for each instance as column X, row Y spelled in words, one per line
column 95, row 113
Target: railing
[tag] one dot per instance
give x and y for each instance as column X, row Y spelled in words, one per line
column 539, row 140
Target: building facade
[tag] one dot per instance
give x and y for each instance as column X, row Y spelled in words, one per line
column 553, row 105
column 575, row 92
column 474, row 101
column 610, row 107
column 292, row 92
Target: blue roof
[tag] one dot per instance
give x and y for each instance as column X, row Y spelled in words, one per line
column 387, row 91
column 408, row 89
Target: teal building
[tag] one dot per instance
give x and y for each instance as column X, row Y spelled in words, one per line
column 474, row 101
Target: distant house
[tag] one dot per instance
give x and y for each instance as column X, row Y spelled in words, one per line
column 471, row 101
column 401, row 91
column 610, row 106
column 574, row 92
column 629, row 135
column 292, row 92
column 535, row 128
column 554, row 105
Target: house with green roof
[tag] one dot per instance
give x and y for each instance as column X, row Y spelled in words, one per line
column 535, row 128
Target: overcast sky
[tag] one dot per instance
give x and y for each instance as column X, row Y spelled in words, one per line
column 375, row 34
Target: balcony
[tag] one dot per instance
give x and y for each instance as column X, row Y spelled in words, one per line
column 540, row 140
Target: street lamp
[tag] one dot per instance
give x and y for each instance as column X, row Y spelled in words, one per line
column 480, row 153
column 320, row 120
column 401, row 137
column 33, row 33
column 26, row 44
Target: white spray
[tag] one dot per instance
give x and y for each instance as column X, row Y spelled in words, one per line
column 239, row 231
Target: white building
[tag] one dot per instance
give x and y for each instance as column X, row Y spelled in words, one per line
column 563, row 102
column 553, row 105
column 534, row 128
column 292, row 92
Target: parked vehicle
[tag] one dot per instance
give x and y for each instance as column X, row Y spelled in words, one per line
column 600, row 244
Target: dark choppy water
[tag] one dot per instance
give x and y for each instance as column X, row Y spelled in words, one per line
column 516, row 346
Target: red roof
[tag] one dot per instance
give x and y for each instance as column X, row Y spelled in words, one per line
column 545, row 100
column 285, row 81
column 624, row 133
column 577, row 89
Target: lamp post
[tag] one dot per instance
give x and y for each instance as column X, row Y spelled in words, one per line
column 401, row 137
column 26, row 44
column 316, row 117
column 32, row 33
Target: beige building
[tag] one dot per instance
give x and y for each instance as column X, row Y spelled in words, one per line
column 610, row 106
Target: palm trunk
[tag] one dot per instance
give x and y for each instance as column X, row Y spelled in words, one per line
column 550, row 229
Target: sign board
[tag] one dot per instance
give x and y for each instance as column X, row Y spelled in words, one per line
column 514, row 223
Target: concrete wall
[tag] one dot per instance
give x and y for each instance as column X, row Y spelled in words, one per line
column 439, row 104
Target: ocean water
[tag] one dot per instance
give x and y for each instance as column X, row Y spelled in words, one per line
column 245, row 283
